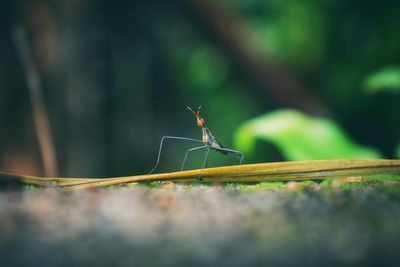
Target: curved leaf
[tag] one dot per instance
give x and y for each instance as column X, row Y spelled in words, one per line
column 300, row 137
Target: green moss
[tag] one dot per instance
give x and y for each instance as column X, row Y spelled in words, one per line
column 387, row 186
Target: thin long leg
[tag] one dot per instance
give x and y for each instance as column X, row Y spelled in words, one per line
column 187, row 153
column 204, row 163
column 234, row 152
column 170, row 137
column 205, row 159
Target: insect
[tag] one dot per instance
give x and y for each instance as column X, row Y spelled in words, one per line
column 208, row 140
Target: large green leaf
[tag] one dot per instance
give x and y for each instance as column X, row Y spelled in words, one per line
column 386, row 79
column 300, row 137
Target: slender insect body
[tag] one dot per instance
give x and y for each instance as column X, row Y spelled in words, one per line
column 206, row 137
column 208, row 140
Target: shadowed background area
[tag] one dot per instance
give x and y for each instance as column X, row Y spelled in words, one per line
column 116, row 76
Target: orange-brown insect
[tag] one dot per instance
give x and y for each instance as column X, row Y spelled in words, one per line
column 208, row 140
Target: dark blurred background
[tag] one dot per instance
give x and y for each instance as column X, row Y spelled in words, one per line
column 116, row 75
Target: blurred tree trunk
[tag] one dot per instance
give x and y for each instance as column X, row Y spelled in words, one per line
column 70, row 45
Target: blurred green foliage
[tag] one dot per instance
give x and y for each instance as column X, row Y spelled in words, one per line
column 398, row 151
column 386, row 79
column 292, row 31
column 300, row 137
column 201, row 68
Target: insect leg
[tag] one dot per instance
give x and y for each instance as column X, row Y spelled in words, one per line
column 187, row 153
column 174, row 138
column 234, row 152
column 204, row 162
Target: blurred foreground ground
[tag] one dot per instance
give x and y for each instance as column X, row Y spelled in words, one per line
column 201, row 226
